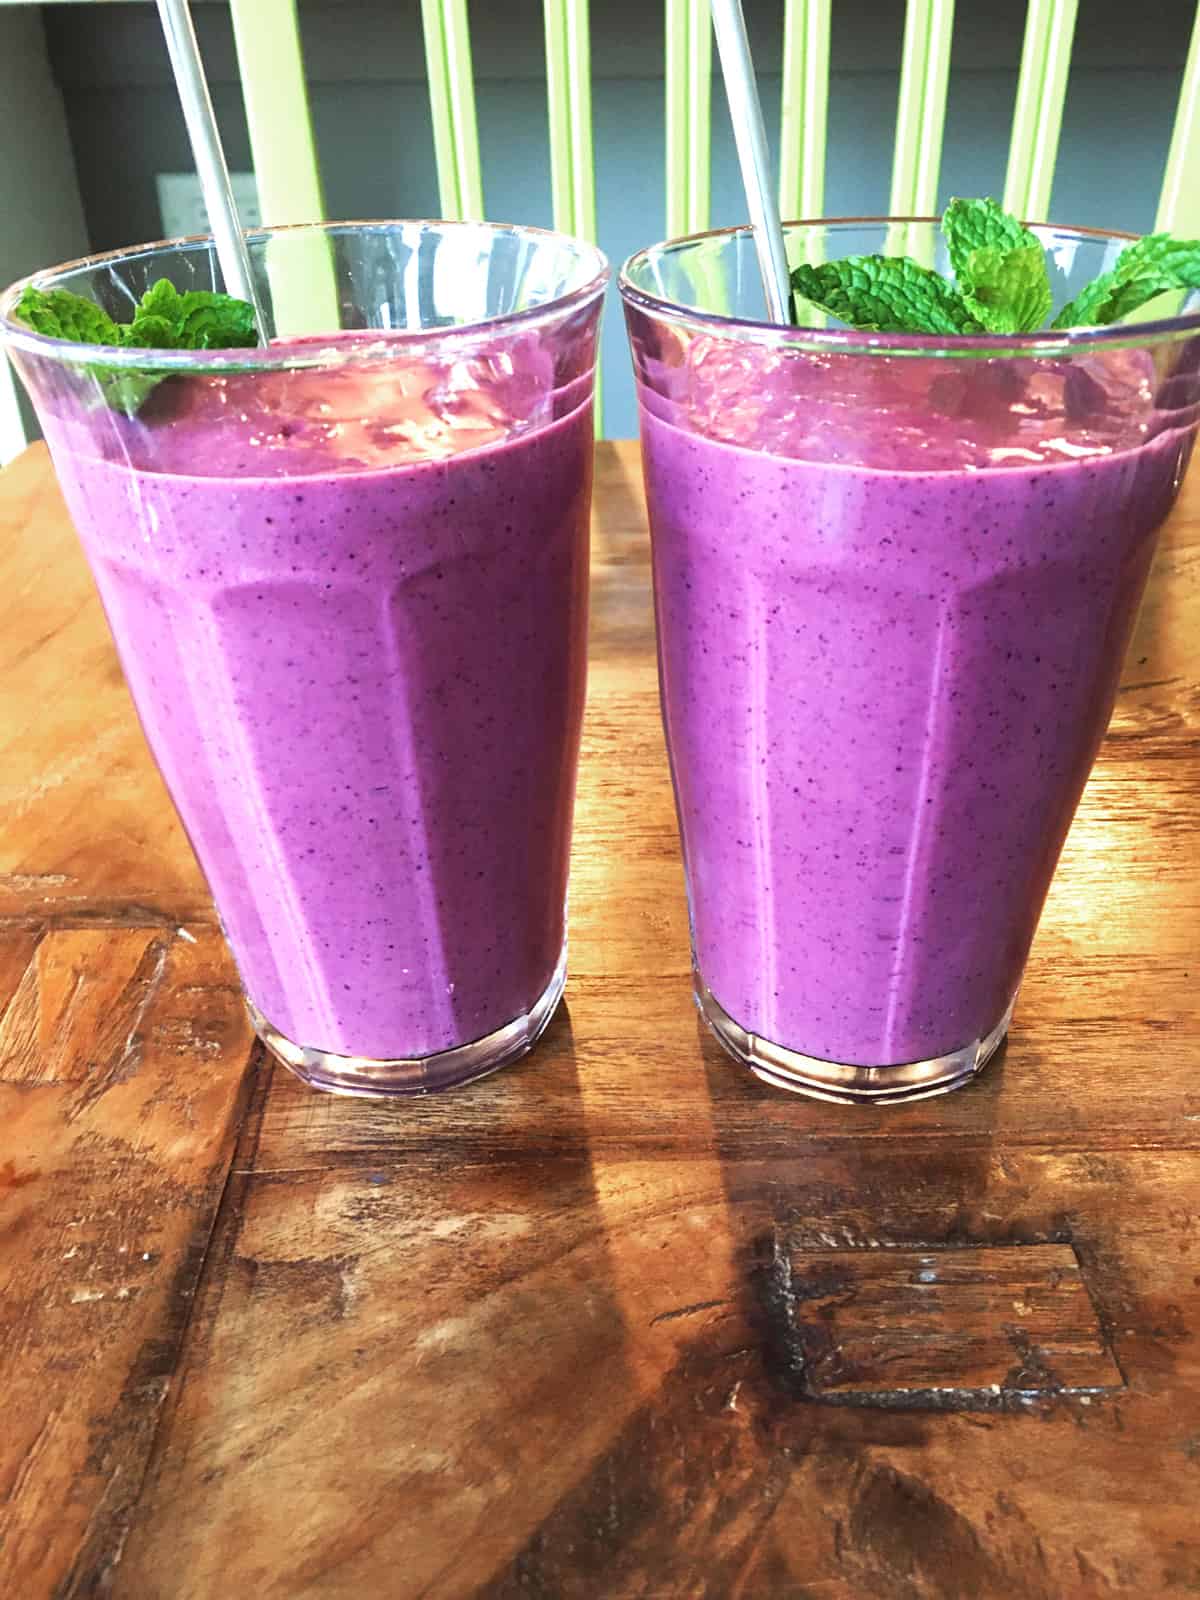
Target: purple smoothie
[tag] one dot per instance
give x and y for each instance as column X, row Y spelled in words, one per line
column 892, row 608
column 351, row 608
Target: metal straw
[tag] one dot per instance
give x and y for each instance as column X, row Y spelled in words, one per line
column 745, row 111
column 209, row 156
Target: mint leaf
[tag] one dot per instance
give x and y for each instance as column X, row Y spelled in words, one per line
column 195, row 320
column 885, row 294
column 1000, row 266
column 159, row 300
column 151, row 333
column 1147, row 268
column 216, row 322
column 59, row 314
column 969, row 225
column 1008, row 290
column 163, row 319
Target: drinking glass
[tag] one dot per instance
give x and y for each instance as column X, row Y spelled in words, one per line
column 894, row 579
column 346, row 573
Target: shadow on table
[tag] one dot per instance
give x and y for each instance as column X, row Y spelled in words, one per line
column 412, row 1296
column 715, row 1484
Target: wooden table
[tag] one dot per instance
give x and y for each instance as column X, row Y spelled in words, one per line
column 619, row 1321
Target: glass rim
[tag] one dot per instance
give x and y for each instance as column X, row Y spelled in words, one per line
column 15, row 335
column 854, row 341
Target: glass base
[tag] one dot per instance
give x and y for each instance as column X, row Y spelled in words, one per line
column 363, row 1075
column 833, row 1080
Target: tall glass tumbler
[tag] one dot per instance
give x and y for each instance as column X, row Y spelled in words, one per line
column 347, row 576
column 894, row 579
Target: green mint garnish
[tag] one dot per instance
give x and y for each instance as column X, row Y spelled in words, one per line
column 981, row 225
column 163, row 319
column 999, row 265
column 1008, row 290
column 1150, row 267
column 195, row 320
column 885, row 294
column 59, row 314
column 1000, row 285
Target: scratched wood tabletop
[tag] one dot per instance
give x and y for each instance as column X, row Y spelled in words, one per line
column 619, row 1321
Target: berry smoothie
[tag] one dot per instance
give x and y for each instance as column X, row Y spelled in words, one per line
column 351, row 608
column 892, row 602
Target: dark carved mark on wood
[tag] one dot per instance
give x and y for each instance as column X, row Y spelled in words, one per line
column 991, row 1328
column 686, row 1311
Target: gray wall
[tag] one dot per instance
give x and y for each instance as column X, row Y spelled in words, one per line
column 366, row 67
column 41, row 219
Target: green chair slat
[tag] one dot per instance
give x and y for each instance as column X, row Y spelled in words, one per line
column 569, row 103
column 1179, row 199
column 805, row 110
column 921, row 109
column 688, row 71
column 267, row 38
column 1037, row 115
column 452, row 102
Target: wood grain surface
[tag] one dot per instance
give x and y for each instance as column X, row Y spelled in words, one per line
column 620, row 1321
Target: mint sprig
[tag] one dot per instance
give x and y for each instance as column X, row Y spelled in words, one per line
column 163, row 319
column 969, row 225
column 59, row 314
column 1000, row 267
column 1001, row 284
column 196, row 320
column 885, row 294
column 1008, row 290
column 1149, row 267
